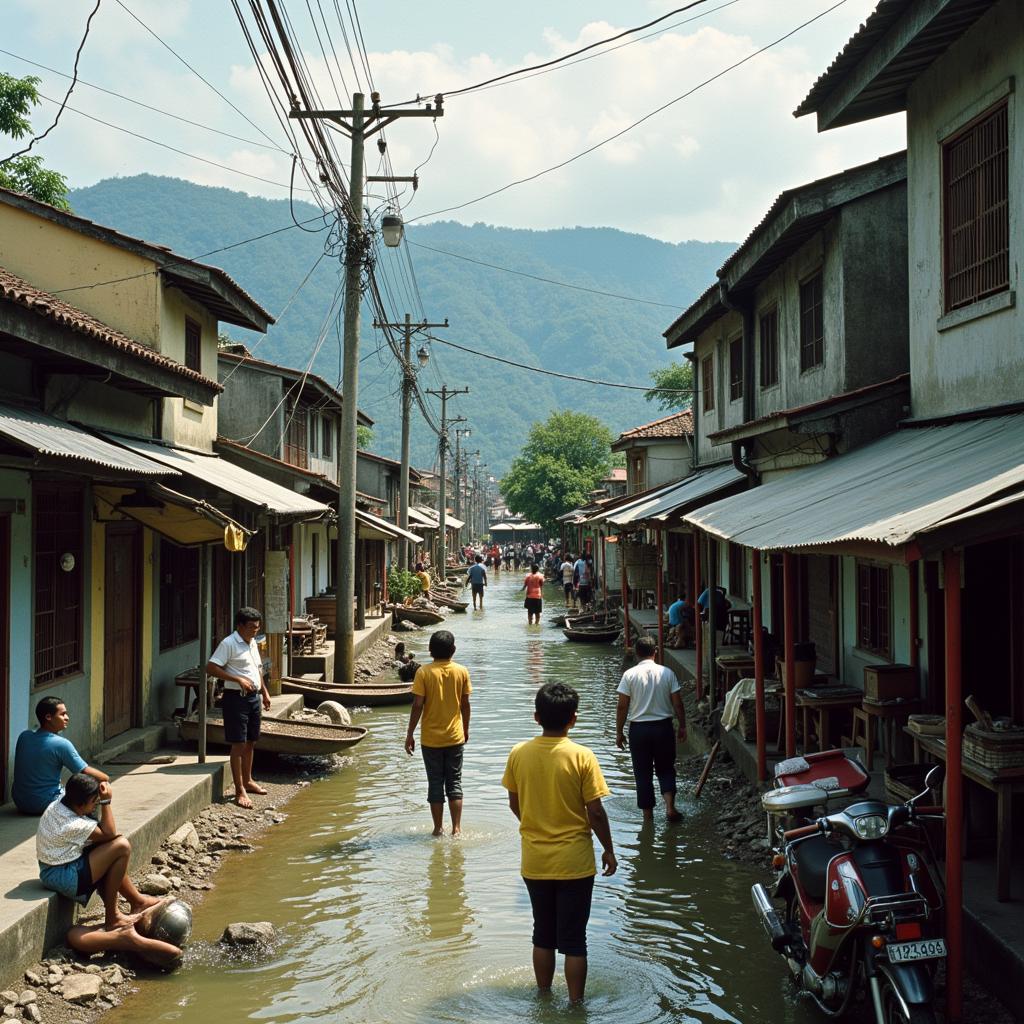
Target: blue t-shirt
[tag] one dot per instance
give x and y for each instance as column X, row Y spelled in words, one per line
column 477, row 574
column 38, row 759
column 675, row 612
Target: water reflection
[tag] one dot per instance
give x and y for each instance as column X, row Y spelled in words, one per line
column 448, row 914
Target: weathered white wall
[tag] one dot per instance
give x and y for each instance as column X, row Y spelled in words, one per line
column 980, row 362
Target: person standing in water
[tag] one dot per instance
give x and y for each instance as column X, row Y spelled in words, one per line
column 477, row 576
column 534, row 587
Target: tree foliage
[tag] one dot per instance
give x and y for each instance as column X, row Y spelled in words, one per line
column 364, row 437
column 560, row 464
column 26, row 173
column 678, row 377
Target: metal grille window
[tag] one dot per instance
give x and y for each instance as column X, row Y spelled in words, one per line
column 179, row 595
column 769, row 334
column 812, row 323
column 874, row 608
column 735, row 369
column 976, row 210
column 57, row 605
column 193, row 346
column 707, row 382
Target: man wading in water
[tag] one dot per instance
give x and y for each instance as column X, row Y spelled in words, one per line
column 534, row 587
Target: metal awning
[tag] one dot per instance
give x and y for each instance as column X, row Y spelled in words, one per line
column 683, row 496
column 422, row 519
column 621, row 506
column 263, row 494
column 52, row 438
column 372, row 527
column 885, row 493
column 184, row 520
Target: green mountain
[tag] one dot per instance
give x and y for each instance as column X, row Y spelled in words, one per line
column 530, row 322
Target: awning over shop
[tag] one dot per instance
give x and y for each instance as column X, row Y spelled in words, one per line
column 885, row 493
column 611, row 511
column 179, row 518
column 372, row 527
column 52, row 438
column 264, row 495
column 679, row 497
column 422, row 519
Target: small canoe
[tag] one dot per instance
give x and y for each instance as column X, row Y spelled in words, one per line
column 281, row 736
column 557, row 620
column 371, row 696
column 418, row 616
column 590, row 621
column 592, row 636
column 449, row 602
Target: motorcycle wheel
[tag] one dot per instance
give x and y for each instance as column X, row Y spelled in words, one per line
column 893, row 1009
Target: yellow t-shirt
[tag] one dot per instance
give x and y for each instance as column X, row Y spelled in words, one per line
column 555, row 779
column 442, row 685
column 424, row 578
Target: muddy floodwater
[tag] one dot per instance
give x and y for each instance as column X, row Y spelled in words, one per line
column 377, row 921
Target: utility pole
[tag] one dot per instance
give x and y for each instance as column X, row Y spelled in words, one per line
column 459, row 435
column 408, row 387
column 444, row 394
column 359, row 124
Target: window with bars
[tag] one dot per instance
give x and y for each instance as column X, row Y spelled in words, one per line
column 179, row 595
column 57, row 591
column 874, row 608
column 769, row 338
column 296, row 436
column 193, row 345
column 976, row 209
column 735, row 369
column 707, row 382
column 812, row 323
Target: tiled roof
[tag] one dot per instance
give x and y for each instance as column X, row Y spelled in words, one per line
column 14, row 289
column 678, row 424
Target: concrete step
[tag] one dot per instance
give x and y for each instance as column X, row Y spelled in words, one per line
column 146, row 739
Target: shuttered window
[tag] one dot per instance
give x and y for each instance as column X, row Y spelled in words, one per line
column 193, row 346
column 57, row 591
column 707, row 382
column 812, row 323
column 296, row 436
column 179, row 595
column 735, row 369
column 769, row 337
column 874, row 608
column 976, row 210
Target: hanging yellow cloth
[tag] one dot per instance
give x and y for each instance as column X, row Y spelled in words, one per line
column 235, row 538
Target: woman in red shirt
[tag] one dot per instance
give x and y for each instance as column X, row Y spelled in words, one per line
column 534, row 587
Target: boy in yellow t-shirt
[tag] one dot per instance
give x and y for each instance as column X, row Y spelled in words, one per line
column 441, row 698
column 554, row 789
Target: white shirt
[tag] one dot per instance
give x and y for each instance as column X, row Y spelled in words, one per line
column 240, row 659
column 649, row 687
column 567, row 571
column 62, row 834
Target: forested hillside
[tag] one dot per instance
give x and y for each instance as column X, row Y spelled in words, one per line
column 519, row 318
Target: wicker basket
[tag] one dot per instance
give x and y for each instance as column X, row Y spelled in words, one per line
column 903, row 781
column 994, row 749
column 927, row 725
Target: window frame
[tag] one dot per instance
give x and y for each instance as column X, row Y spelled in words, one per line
column 193, row 345
column 816, row 346
column 178, row 612
column 327, row 436
column 737, row 570
column 975, row 179
column 769, row 315
column 874, row 605
column 736, row 381
column 296, row 435
column 707, row 382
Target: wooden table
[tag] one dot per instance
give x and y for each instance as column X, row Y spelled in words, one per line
column 189, row 680
column 822, row 708
column 889, row 715
column 731, row 668
column 1006, row 783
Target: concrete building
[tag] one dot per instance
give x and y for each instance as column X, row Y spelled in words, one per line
column 657, row 452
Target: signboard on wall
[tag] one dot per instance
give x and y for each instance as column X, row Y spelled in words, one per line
column 276, row 592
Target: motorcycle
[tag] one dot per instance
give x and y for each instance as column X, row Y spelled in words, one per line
column 856, row 908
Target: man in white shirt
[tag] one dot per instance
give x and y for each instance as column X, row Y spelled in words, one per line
column 649, row 695
column 237, row 661
column 567, row 571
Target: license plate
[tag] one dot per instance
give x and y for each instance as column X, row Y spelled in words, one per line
column 926, row 949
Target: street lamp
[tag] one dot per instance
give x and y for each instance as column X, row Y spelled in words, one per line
column 392, row 228
column 423, row 355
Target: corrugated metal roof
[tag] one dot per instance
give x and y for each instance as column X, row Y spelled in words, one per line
column 685, row 493
column 621, row 506
column 383, row 526
column 52, row 437
column 884, row 492
column 226, row 476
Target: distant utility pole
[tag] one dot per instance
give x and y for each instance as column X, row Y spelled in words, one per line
column 359, row 124
column 459, row 458
column 408, row 387
column 444, row 394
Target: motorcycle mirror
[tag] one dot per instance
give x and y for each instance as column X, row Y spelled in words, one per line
column 935, row 777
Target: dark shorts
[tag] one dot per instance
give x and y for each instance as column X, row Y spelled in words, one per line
column 477, row 588
column 561, row 910
column 73, row 879
column 242, row 715
column 444, row 772
column 584, row 593
column 533, row 605
column 568, row 588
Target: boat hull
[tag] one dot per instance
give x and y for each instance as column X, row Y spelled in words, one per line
column 417, row 616
column 591, row 636
column 349, row 696
column 278, row 736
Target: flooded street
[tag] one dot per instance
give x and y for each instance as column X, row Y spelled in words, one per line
column 378, row 921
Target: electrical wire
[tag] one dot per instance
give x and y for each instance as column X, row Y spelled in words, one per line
column 635, row 124
column 67, row 95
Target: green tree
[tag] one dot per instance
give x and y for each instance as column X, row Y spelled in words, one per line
column 26, row 173
column 364, row 437
column 678, row 378
column 561, row 463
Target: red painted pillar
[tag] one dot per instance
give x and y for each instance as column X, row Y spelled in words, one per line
column 659, row 600
column 755, row 566
column 954, row 792
column 789, row 644
column 697, row 644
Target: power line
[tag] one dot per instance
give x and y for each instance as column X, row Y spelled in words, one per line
column 635, row 124
column 67, row 95
column 547, row 280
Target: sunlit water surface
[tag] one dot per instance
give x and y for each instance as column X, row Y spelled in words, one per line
column 378, row 921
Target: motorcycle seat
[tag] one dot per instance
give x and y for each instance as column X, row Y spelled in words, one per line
column 812, row 858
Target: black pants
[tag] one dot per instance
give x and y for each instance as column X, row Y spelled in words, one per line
column 561, row 910
column 652, row 747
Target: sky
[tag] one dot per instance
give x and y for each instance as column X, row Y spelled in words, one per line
column 707, row 167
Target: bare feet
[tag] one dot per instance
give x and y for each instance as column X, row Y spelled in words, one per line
column 144, row 921
column 242, row 800
column 255, row 787
column 673, row 817
column 438, row 832
column 456, row 831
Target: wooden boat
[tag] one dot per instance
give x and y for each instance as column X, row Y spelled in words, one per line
column 372, row 695
column 418, row 616
column 280, row 736
column 589, row 620
column 602, row 635
column 449, row 602
column 558, row 620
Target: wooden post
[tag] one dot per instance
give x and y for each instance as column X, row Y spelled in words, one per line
column 361, row 583
column 204, row 649
column 914, row 613
column 789, row 648
column 697, row 645
column 625, row 588
column 658, row 601
column 755, row 567
column 954, row 791
column 604, row 574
